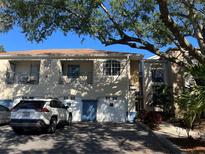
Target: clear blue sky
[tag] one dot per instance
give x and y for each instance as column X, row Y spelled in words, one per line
column 14, row 40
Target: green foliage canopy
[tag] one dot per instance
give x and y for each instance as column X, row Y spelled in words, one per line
column 2, row 48
column 152, row 25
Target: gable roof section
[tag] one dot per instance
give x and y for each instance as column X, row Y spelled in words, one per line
column 66, row 53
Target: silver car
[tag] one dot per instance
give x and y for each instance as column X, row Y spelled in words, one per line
column 5, row 115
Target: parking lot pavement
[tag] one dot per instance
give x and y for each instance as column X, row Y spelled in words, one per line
column 89, row 138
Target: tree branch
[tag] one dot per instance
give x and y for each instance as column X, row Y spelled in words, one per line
column 130, row 41
column 191, row 6
column 120, row 31
column 171, row 25
column 197, row 28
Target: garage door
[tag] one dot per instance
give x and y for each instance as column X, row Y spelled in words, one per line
column 112, row 111
column 76, row 107
column 89, row 110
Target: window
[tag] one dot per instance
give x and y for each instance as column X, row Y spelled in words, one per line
column 53, row 104
column 28, row 74
column 13, row 66
column 56, row 104
column 61, row 105
column 158, row 75
column 112, row 98
column 30, row 105
column 111, row 104
column 158, row 72
column 34, row 69
column 72, row 97
column 73, row 71
column 7, row 103
column 111, row 67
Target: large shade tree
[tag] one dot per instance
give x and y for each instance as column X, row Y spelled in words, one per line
column 152, row 25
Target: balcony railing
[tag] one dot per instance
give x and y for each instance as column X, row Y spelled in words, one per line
column 22, row 78
column 80, row 78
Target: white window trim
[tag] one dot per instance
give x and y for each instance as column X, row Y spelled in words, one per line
column 112, row 68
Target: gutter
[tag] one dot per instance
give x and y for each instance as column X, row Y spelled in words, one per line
column 64, row 56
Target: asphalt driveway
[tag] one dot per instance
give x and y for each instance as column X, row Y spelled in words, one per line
column 83, row 138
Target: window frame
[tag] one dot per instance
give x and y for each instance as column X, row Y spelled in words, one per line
column 112, row 68
column 155, row 75
column 70, row 73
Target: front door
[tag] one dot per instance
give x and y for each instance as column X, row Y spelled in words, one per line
column 89, row 110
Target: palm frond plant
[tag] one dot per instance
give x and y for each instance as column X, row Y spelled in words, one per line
column 192, row 100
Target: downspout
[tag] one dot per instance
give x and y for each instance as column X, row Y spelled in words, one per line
column 128, row 85
column 141, row 68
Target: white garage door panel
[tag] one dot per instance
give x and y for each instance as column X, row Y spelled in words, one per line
column 107, row 113
column 76, row 106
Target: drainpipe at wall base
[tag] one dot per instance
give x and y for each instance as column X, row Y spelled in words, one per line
column 128, row 86
column 141, row 83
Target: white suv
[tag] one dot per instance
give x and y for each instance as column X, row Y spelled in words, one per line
column 43, row 114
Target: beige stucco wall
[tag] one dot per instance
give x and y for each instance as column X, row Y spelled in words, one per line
column 147, row 83
column 85, row 66
column 133, row 83
column 178, row 85
column 177, row 79
column 134, row 73
column 49, row 81
column 24, row 66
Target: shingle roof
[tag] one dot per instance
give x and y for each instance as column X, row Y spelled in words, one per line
column 63, row 52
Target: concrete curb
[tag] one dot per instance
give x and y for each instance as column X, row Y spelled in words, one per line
column 164, row 142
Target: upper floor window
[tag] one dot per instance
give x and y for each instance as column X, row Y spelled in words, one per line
column 73, row 71
column 158, row 75
column 23, row 72
column 158, row 72
column 111, row 67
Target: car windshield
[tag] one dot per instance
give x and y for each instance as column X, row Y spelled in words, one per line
column 6, row 103
column 30, row 105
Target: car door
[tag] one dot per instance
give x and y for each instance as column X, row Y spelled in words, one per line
column 65, row 112
column 62, row 111
column 54, row 107
column 59, row 110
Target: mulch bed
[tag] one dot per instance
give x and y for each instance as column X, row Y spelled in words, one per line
column 189, row 145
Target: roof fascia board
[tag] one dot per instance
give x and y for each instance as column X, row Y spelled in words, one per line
column 154, row 61
column 53, row 56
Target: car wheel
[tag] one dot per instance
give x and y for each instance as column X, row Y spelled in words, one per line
column 52, row 126
column 17, row 130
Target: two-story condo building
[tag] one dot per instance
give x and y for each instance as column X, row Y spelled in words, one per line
column 101, row 85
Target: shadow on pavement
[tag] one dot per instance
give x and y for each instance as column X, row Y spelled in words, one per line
column 88, row 138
